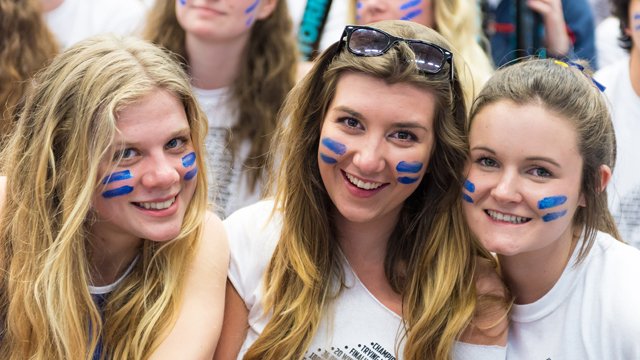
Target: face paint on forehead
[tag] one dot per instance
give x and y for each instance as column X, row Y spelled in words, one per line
column 411, row 8
column 249, row 11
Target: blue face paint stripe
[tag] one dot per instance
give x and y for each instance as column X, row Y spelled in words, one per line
column 189, row 159
column 359, row 5
column 467, row 198
column 252, row 7
column 328, row 159
column 334, row 146
column 191, row 174
column 407, row 180
column 412, row 15
column 409, row 4
column 117, row 192
column 551, row 201
column 117, row 176
column 469, row 186
column 183, row 2
column 409, row 167
column 554, row 215
column 249, row 21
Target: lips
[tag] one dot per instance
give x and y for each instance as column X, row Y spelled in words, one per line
column 507, row 218
column 156, row 205
column 361, row 184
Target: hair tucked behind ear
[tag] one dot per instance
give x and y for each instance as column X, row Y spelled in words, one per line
column 65, row 130
column 571, row 93
column 429, row 259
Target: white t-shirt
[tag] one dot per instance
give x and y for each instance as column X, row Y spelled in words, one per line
column 337, row 19
column 624, row 189
column 228, row 183
column 76, row 20
column 355, row 325
column 607, row 46
column 592, row 312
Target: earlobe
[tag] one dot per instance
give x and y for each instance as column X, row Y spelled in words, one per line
column 605, row 177
column 266, row 9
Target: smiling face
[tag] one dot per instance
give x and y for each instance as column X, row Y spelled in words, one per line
column 420, row 11
column 524, row 177
column 148, row 179
column 221, row 20
column 375, row 145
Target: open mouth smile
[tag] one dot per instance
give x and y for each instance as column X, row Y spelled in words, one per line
column 511, row 219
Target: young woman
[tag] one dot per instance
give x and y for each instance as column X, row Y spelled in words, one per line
column 364, row 250
column 542, row 151
column 459, row 21
column 107, row 251
column 241, row 57
column 26, row 46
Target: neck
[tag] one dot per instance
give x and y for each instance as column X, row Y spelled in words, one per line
column 214, row 65
column 109, row 258
column 533, row 274
column 634, row 70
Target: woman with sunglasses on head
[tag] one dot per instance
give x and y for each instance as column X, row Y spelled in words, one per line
column 106, row 249
column 542, row 152
column 364, row 253
column 242, row 60
column 459, row 21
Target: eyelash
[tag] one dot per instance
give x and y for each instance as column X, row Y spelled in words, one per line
column 119, row 156
column 482, row 161
column 356, row 124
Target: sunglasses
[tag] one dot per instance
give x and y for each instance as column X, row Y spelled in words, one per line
column 368, row 41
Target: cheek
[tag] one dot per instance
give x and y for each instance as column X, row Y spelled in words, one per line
column 552, row 207
column 250, row 12
column 331, row 149
column 188, row 168
column 409, row 172
column 412, row 9
column 117, row 184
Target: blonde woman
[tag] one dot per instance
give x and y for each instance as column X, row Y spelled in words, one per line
column 107, row 251
column 26, row 46
column 364, row 250
column 241, row 57
column 459, row 21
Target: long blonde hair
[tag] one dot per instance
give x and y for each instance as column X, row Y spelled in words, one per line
column 429, row 257
column 459, row 21
column 267, row 73
column 26, row 46
column 66, row 128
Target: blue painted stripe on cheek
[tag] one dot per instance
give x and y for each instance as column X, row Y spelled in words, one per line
column 409, row 167
column 183, row 2
column 409, row 4
column 328, row 159
column 252, row 7
column 117, row 176
column 334, row 146
column 469, row 186
column 191, row 174
column 467, row 198
column 124, row 190
column 359, row 5
column 412, row 15
column 249, row 22
column 189, row 159
column 554, row 215
column 551, row 201
column 407, row 180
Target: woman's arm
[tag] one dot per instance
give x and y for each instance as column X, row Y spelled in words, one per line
column 234, row 327
column 197, row 328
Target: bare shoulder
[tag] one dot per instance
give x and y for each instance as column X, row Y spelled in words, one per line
column 213, row 243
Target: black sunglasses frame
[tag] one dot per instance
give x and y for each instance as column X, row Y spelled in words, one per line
column 393, row 40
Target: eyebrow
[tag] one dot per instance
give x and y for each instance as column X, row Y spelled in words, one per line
column 531, row 158
column 185, row 131
column 400, row 124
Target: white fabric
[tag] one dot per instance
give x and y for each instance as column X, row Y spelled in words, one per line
column 228, row 183
column 624, row 188
column 590, row 313
column 355, row 326
column 76, row 20
column 336, row 20
column 105, row 289
column 607, row 46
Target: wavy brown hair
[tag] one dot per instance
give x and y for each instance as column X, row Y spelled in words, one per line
column 267, row 73
column 26, row 46
column 66, row 128
column 429, row 260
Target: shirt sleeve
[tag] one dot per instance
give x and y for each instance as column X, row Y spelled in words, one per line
column 466, row 351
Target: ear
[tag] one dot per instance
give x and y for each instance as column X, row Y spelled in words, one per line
column 266, row 8
column 605, row 177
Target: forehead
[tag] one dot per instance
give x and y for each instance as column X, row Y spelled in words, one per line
column 155, row 114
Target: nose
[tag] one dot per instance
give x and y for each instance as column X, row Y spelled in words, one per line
column 368, row 159
column 371, row 6
column 507, row 188
column 160, row 172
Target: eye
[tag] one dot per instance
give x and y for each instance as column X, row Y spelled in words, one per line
column 176, row 143
column 404, row 135
column 487, row 162
column 351, row 122
column 125, row 154
column 540, row 172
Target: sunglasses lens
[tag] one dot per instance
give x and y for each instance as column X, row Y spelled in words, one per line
column 428, row 58
column 368, row 42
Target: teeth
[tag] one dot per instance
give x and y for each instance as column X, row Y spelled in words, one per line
column 361, row 184
column 507, row 218
column 157, row 205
